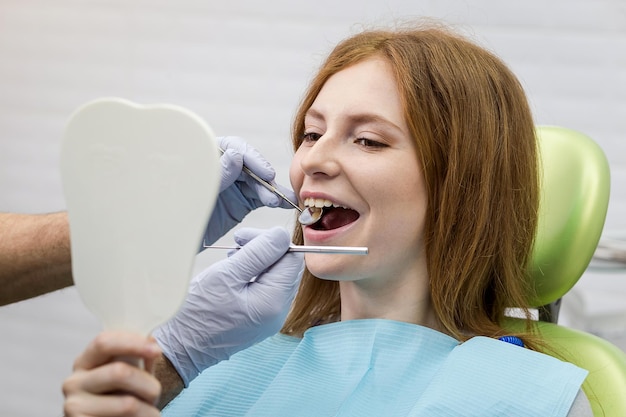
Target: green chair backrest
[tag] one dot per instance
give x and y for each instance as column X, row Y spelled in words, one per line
column 575, row 195
column 575, row 183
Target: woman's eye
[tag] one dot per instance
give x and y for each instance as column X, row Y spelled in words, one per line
column 368, row 143
column 310, row 136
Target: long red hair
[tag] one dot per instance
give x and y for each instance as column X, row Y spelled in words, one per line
column 474, row 134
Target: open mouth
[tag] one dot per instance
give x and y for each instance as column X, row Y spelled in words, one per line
column 333, row 216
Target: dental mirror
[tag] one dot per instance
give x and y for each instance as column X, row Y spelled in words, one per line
column 310, row 215
column 140, row 183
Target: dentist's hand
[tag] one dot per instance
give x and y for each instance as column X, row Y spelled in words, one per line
column 234, row 303
column 239, row 193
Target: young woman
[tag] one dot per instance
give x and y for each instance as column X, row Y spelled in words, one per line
column 419, row 145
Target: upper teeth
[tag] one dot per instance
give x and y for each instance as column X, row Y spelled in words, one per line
column 319, row 203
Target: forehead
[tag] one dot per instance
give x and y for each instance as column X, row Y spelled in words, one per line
column 368, row 87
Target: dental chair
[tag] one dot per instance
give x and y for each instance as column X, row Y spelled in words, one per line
column 574, row 200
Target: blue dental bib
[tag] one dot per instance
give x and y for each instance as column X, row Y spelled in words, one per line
column 381, row 368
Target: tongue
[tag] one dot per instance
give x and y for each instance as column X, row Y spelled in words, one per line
column 335, row 217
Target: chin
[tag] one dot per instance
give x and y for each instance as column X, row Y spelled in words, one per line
column 338, row 278
column 323, row 267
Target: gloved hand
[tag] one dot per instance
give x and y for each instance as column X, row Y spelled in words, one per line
column 239, row 193
column 234, row 303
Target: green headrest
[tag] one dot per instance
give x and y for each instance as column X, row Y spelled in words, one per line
column 575, row 183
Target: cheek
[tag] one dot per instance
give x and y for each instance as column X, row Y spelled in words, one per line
column 403, row 190
column 399, row 207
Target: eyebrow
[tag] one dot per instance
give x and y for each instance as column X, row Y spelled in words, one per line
column 358, row 118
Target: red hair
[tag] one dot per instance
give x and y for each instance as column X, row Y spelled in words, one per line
column 474, row 134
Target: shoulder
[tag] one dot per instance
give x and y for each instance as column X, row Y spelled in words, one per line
column 508, row 361
column 491, row 370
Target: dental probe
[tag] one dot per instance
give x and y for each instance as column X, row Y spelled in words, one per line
column 307, row 217
column 347, row 250
column 267, row 185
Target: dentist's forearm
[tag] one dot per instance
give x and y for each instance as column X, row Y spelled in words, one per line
column 171, row 383
column 35, row 255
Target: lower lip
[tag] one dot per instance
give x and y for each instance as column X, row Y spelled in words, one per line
column 313, row 237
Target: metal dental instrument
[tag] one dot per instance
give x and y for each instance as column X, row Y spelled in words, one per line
column 348, row 250
column 310, row 216
column 307, row 217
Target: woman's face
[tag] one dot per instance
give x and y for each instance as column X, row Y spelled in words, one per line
column 359, row 156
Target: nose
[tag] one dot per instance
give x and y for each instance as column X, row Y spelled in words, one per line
column 321, row 159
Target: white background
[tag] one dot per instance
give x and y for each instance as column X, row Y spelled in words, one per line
column 242, row 66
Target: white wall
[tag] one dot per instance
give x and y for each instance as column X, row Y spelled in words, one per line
column 242, row 65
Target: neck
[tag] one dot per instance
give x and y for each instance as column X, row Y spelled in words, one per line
column 406, row 300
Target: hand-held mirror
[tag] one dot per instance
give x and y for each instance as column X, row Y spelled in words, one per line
column 140, row 183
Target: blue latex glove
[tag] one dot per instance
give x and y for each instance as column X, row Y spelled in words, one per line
column 239, row 193
column 234, row 303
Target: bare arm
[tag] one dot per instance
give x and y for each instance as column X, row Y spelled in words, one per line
column 35, row 255
column 35, row 259
column 171, row 383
